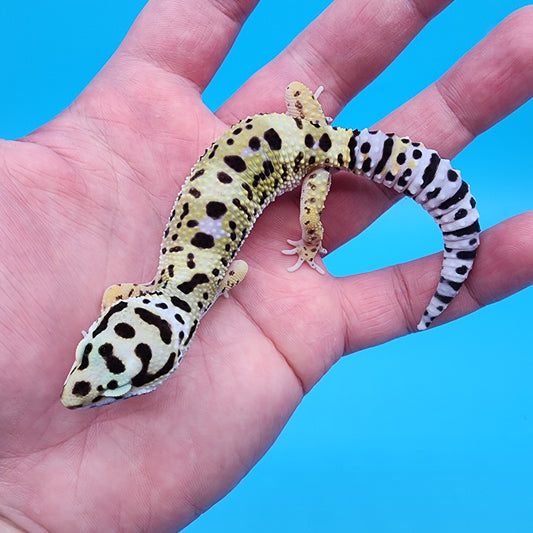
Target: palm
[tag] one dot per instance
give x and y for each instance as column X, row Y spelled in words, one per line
column 85, row 203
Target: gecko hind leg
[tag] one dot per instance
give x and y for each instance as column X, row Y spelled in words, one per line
column 302, row 103
column 315, row 187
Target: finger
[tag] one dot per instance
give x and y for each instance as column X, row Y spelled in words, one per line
column 190, row 39
column 314, row 57
column 394, row 298
column 488, row 83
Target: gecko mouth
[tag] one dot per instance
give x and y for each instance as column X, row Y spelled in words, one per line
column 116, row 391
column 80, row 395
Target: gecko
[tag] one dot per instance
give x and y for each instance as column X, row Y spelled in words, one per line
column 145, row 329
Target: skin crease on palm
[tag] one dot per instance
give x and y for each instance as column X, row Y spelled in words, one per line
column 105, row 173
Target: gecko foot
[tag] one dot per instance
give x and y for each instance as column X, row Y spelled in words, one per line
column 305, row 254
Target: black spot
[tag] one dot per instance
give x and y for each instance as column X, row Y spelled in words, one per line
column 179, row 318
column 113, row 363
column 340, row 160
column 365, row 148
column 273, row 139
column 417, row 154
column 224, row 178
column 457, row 197
column 85, row 357
column 430, row 170
column 236, row 131
column 367, row 164
column 462, row 270
column 401, row 157
column 387, row 151
column 181, row 304
column 248, row 189
column 195, row 192
column 455, row 285
column 460, row 213
column 197, row 174
column 185, row 211
column 452, row 175
column 444, row 299
column 81, row 388
column 175, row 249
column 309, row 141
column 215, row 209
column 188, row 286
column 229, row 142
column 352, row 143
column 125, row 330
column 235, row 162
column 268, row 167
column 324, row 143
column 144, row 353
column 191, row 332
column 116, row 308
column 299, row 123
column 192, row 223
column 402, row 180
column 215, row 272
column 466, row 254
column 254, row 143
column 433, row 194
column 154, row 320
column 237, row 203
column 171, row 274
column 144, row 377
column 203, row 240
column 461, row 232
column 213, row 151
column 297, row 160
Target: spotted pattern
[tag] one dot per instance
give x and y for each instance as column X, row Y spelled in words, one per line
column 145, row 330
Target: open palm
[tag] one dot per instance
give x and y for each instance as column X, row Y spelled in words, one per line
column 84, row 202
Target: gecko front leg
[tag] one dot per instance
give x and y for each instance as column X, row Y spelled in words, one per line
column 234, row 275
column 122, row 291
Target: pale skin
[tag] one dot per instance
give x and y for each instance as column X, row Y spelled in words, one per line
column 81, row 193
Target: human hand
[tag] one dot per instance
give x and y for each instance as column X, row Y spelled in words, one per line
column 95, row 187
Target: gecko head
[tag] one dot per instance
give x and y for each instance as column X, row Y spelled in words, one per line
column 131, row 349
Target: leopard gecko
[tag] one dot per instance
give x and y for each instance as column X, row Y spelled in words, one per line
column 145, row 329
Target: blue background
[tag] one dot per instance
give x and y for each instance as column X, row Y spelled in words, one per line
column 405, row 437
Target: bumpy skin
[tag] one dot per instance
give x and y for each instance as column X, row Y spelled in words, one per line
column 145, row 330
